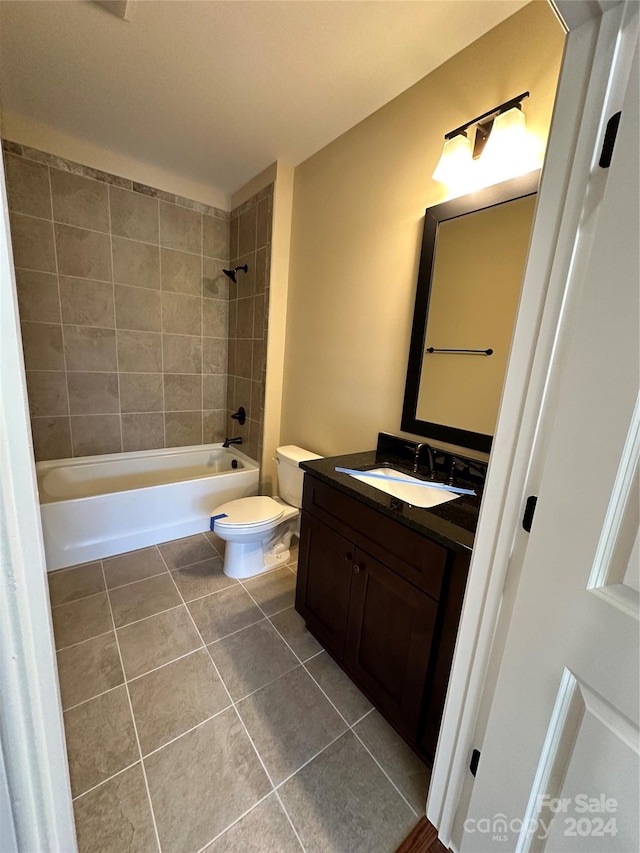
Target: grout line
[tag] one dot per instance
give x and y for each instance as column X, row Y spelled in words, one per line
column 202, row 323
column 313, row 757
column 80, row 642
column 97, row 695
column 363, row 744
column 166, row 663
column 186, row 732
column 286, row 814
column 237, row 820
column 104, row 781
column 84, row 598
column 133, row 720
column 164, row 405
column 130, row 583
column 113, row 300
column 268, row 683
column 144, row 618
column 233, row 633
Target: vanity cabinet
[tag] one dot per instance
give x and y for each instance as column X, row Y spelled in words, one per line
column 385, row 601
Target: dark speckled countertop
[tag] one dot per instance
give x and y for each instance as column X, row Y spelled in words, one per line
column 453, row 524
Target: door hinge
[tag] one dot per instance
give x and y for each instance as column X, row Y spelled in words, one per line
column 475, row 758
column 529, row 512
column 609, row 140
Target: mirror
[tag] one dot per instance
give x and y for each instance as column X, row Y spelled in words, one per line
column 474, row 251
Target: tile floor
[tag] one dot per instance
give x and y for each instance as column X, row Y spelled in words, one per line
column 200, row 715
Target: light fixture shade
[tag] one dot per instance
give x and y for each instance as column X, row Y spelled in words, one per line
column 455, row 160
column 508, row 151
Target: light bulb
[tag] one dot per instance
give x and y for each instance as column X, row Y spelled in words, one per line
column 509, row 151
column 455, row 161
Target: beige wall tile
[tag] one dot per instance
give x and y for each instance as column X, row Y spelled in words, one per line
column 182, row 393
column 28, row 187
column 247, row 231
column 257, row 361
column 51, row 438
column 87, row 348
column 233, row 238
column 244, row 328
column 141, row 392
column 183, row 428
column 263, row 231
column 95, row 434
column 137, row 309
column 214, row 391
column 83, row 253
column 42, row 346
column 181, row 272
column 214, row 425
column 215, row 283
column 136, row 263
column 181, row 315
column 215, row 237
column 142, row 432
column 87, row 303
column 247, row 280
column 215, row 318
column 214, row 357
column 38, row 297
column 242, row 395
column 180, row 228
column 32, row 243
column 182, row 354
column 93, row 393
column 261, row 270
column 134, row 215
column 47, row 392
column 244, row 350
column 79, row 201
column 139, row 351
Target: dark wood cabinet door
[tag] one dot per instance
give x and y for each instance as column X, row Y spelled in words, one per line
column 325, row 565
column 388, row 642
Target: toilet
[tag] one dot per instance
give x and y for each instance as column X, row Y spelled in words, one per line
column 258, row 530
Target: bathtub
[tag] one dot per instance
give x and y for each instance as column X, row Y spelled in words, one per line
column 98, row 506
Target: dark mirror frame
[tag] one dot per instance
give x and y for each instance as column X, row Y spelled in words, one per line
column 515, row 188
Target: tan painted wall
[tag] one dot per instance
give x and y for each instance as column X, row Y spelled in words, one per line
column 357, row 222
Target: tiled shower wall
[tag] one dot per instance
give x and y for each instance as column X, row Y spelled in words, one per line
column 124, row 310
column 248, row 315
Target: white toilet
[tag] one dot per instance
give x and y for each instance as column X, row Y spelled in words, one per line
column 258, row 530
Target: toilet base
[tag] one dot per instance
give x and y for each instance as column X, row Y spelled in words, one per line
column 247, row 559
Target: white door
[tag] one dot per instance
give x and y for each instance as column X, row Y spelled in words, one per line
column 559, row 763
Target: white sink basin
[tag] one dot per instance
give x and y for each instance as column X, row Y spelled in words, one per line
column 403, row 486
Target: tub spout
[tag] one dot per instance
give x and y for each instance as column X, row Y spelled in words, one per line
column 229, row 441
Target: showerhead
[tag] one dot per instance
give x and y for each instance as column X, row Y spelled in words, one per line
column 232, row 273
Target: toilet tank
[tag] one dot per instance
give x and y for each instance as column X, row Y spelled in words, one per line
column 290, row 475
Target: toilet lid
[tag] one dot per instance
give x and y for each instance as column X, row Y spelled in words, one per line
column 248, row 511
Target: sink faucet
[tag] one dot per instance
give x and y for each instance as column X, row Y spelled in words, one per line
column 417, row 450
column 229, row 441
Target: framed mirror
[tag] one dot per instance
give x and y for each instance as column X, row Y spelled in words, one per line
column 474, row 251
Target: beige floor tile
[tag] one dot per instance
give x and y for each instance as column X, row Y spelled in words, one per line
column 216, row 541
column 143, row 598
column 80, row 620
column 274, row 591
column 344, row 694
column 133, row 566
column 292, row 627
column 116, row 816
column 203, row 781
column 342, row 801
column 174, row 698
column 100, row 739
column 223, row 613
column 398, row 760
column 202, row 579
column 89, row 668
column 71, row 584
column 251, row 658
column 157, row 640
column 186, row 552
column 289, row 721
column 264, row 830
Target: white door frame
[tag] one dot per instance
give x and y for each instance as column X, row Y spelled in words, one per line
column 584, row 98
column 35, row 792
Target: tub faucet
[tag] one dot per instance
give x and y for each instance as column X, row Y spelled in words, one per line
column 229, row 441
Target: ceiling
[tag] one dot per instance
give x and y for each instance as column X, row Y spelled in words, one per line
column 217, row 90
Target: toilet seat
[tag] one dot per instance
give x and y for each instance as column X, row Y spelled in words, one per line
column 247, row 513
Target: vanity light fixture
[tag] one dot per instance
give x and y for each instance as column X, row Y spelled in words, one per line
column 500, row 148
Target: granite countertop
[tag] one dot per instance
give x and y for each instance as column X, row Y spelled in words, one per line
column 453, row 524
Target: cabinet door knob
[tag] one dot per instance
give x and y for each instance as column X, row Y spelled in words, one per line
column 348, row 557
column 356, row 568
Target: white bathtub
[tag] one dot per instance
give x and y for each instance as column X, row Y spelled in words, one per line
column 98, row 506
